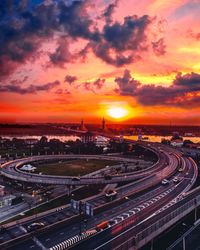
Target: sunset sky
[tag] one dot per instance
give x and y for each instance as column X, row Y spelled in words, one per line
column 64, row 60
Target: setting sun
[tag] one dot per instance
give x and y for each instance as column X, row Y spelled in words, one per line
column 117, row 112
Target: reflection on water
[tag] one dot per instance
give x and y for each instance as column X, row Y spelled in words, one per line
column 156, row 138
column 63, row 138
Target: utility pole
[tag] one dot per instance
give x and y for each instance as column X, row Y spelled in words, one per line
column 80, row 214
column 195, row 210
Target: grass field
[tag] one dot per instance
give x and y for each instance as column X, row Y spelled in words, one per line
column 73, row 167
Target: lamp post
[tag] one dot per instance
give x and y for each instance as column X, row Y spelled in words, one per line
column 80, row 214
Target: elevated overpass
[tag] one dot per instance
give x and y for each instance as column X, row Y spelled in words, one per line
column 147, row 219
column 12, row 170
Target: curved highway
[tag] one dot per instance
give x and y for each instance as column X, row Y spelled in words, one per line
column 121, row 213
column 12, row 170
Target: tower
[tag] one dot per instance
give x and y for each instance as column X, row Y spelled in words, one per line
column 82, row 126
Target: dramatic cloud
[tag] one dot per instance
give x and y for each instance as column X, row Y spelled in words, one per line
column 188, row 81
column 99, row 83
column 24, row 28
column 109, row 11
column 184, row 91
column 120, row 44
column 62, row 92
column 32, row 89
column 22, row 32
column 159, row 47
column 70, row 79
column 92, row 86
column 62, row 53
column 127, row 84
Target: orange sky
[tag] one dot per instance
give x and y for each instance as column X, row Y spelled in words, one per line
column 143, row 56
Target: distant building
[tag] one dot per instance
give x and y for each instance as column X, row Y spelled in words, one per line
column 101, row 141
column 6, row 200
column 30, row 141
column 177, row 143
column 2, row 190
column 121, row 138
column 87, row 137
column 189, row 134
column 82, row 126
column 27, row 167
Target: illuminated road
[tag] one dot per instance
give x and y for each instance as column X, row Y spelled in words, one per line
column 134, row 208
column 12, row 170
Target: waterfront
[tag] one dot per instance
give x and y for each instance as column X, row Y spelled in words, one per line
column 64, row 138
column 158, row 138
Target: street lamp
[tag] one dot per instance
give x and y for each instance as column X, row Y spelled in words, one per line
column 80, row 214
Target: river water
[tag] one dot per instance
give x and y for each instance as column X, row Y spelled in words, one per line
column 63, row 138
column 157, row 138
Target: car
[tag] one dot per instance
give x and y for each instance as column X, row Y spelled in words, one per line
column 103, row 225
column 111, row 195
column 48, row 192
column 76, row 179
column 107, row 177
column 165, row 181
column 176, row 179
column 180, row 170
column 35, row 226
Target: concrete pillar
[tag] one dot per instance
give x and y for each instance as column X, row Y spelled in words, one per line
column 184, row 243
column 152, row 244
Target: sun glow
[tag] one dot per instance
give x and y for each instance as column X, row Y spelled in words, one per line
column 117, row 112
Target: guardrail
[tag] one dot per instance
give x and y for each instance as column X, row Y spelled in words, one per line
column 140, row 234
column 169, row 171
column 10, row 173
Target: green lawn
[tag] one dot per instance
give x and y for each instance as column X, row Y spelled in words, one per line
column 72, row 167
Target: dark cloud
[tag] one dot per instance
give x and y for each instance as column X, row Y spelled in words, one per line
column 109, row 11
column 25, row 27
column 32, row 89
column 22, row 31
column 19, row 81
column 159, row 47
column 121, row 44
column 190, row 81
column 93, row 86
column 62, row 91
column 76, row 21
column 62, row 53
column 183, row 91
column 70, row 79
column 87, row 86
column 99, row 83
column 127, row 84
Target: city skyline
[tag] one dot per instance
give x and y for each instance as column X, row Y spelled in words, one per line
column 126, row 61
